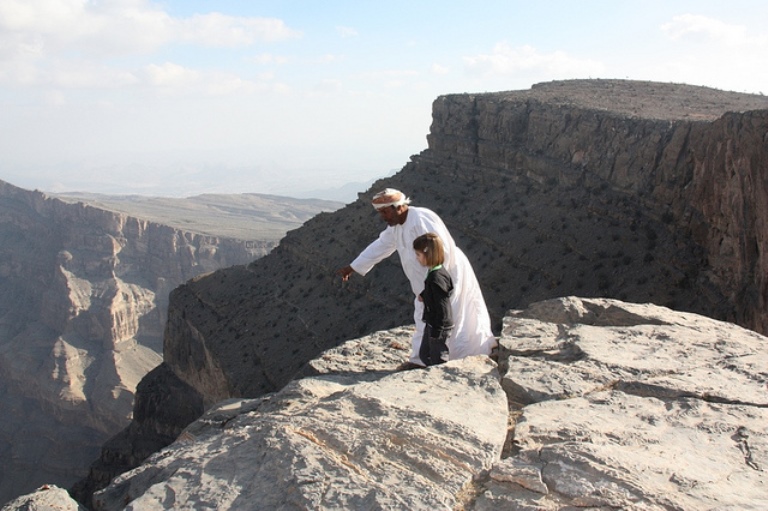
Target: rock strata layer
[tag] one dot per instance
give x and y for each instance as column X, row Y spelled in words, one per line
column 83, row 304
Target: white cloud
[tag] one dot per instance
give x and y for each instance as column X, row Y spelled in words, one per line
column 18, row 73
column 170, row 78
column 220, row 30
column 68, row 74
column 87, row 74
column 346, row 31
column 391, row 73
column 171, row 75
column 268, row 58
column 97, row 28
column 440, row 70
column 39, row 15
column 328, row 58
column 66, row 43
column 692, row 24
column 327, row 86
column 55, row 98
column 395, row 84
column 223, row 84
column 506, row 60
column 122, row 27
column 707, row 51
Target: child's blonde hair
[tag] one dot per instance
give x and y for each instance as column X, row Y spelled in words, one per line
column 432, row 247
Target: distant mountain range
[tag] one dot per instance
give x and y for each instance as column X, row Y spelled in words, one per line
column 243, row 216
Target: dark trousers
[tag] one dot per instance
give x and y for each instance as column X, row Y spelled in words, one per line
column 433, row 349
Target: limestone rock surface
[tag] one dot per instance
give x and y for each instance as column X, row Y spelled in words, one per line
column 632, row 406
column 411, row 440
column 46, row 498
column 594, row 404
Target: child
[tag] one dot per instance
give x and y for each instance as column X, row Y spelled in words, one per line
column 438, row 286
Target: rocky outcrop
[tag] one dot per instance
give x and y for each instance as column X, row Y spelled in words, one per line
column 357, row 446
column 632, row 406
column 594, row 403
column 48, row 498
column 642, row 192
column 82, row 314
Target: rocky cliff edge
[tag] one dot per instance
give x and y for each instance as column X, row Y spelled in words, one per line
column 594, row 403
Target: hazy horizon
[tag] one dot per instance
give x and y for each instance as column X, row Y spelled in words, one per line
column 285, row 98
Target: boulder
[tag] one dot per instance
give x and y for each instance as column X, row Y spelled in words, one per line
column 411, row 440
column 46, row 498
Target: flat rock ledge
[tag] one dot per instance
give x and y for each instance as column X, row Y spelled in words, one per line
column 594, row 404
column 629, row 406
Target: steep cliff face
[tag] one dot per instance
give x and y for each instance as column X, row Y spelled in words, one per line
column 690, row 157
column 639, row 191
column 82, row 312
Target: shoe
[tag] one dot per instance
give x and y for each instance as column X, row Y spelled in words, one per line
column 407, row 366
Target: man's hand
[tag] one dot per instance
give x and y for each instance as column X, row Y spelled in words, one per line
column 345, row 272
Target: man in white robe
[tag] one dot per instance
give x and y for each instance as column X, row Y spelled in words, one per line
column 471, row 333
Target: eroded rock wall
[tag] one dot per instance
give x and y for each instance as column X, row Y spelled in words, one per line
column 82, row 313
column 697, row 164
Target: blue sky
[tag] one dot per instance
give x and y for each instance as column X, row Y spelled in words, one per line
column 177, row 97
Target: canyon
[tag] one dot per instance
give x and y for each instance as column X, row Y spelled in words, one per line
column 83, row 306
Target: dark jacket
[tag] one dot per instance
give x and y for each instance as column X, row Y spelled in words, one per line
column 436, row 296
